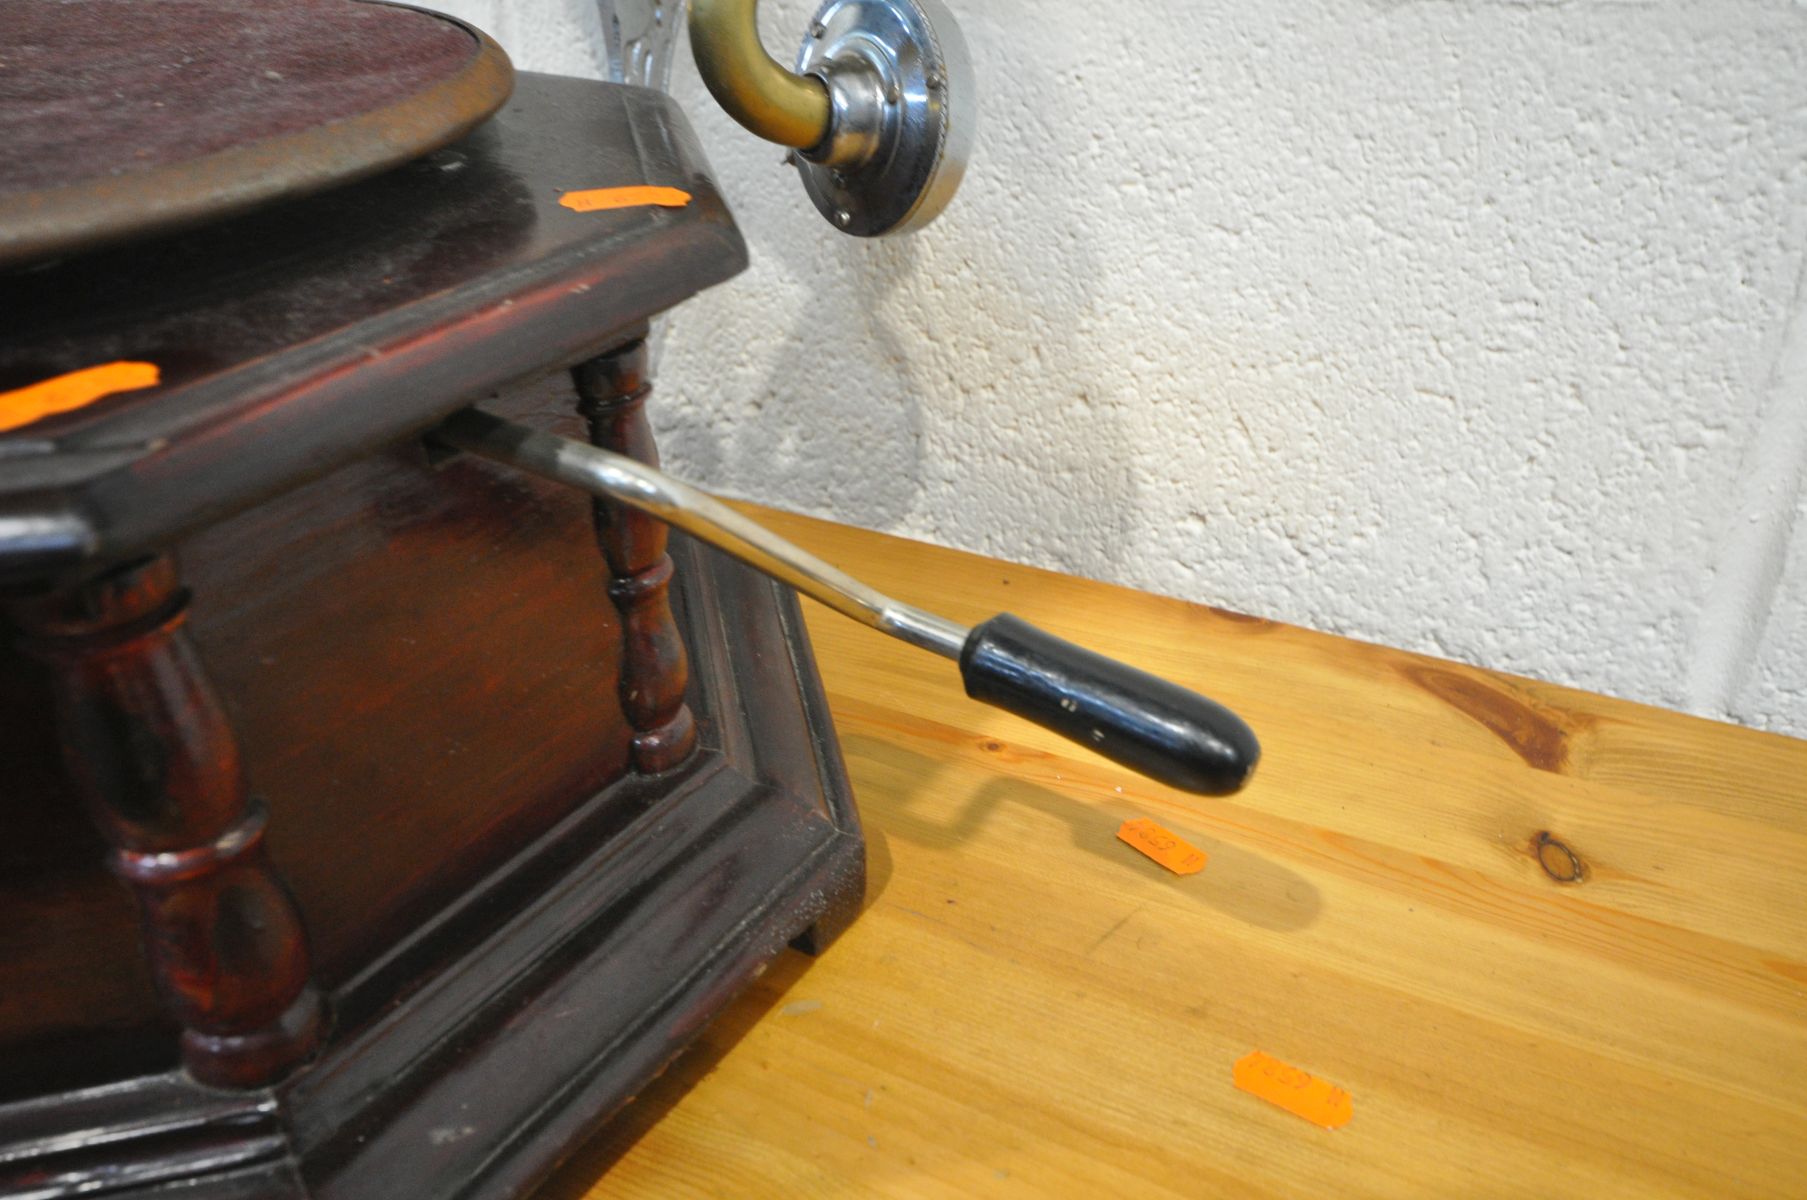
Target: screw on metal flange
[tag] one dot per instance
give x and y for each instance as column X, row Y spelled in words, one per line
column 934, row 81
column 893, row 93
column 843, row 218
column 817, row 30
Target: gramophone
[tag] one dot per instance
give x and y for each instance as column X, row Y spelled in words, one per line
column 390, row 793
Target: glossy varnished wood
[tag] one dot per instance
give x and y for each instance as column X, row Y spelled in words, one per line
column 493, row 1008
column 415, row 670
column 425, row 670
column 613, row 389
column 1029, row 1007
column 299, row 338
column 149, row 750
column 382, row 633
column 419, row 664
column 588, row 962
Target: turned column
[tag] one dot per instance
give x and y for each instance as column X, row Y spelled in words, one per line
column 612, row 390
column 152, row 756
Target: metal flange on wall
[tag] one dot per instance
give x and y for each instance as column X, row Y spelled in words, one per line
column 879, row 113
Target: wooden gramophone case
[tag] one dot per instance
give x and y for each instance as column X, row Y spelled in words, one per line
column 378, row 820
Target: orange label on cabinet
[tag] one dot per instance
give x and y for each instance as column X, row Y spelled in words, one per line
column 597, row 199
column 77, row 389
column 1177, row 855
column 1298, row 1092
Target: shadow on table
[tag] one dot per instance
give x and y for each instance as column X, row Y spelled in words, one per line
column 1237, row 882
column 585, row 1172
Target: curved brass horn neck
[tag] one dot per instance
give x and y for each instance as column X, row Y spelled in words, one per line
column 751, row 87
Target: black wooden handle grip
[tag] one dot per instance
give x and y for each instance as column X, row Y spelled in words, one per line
column 1148, row 724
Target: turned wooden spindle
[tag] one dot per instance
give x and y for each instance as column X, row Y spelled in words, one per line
column 654, row 669
column 150, row 752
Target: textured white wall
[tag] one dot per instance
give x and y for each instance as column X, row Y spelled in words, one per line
column 1478, row 329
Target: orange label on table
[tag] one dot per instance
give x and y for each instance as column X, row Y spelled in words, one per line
column 1298, row 1092
column 77, row 389
column 597, row 199
column 1178, row 856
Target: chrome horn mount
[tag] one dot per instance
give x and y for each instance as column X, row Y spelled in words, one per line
column 880, row 113
column 901, row 113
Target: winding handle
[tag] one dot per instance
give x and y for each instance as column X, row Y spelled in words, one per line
column 1139, row 720
column 1145, row 723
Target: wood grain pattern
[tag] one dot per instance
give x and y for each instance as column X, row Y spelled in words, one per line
column 384, row 642
column 310, row 335
column 156, row 762
column 559, row 969
column 1030, row 1007
column 612, row 390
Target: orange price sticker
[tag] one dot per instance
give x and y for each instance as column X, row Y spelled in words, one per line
column 1178, row 856
column 77, row 389
column 598, row 199
column 1298, row 1092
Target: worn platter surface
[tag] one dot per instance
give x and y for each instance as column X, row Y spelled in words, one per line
column 125, row 117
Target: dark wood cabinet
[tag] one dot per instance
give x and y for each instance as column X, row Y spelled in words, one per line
column 379, row 821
